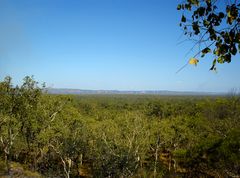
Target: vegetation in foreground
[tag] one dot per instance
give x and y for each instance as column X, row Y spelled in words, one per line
column 118, row 135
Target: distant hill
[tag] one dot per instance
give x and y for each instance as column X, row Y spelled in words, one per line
column 149, row 92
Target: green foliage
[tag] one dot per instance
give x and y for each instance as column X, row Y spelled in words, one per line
column 216, row 26
column 118, row 135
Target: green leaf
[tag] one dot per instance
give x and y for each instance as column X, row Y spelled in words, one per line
column 227, row 57
column 188, row 7
column 220, row 60
column 221, row 15
column 213, row 65
column 237, row 38
column 183, row 18
column 201, row 11
column 206, row 50
column 179, row 7
column 195, row 2
column 195, row 27
column 233, row 49
column 206, row 22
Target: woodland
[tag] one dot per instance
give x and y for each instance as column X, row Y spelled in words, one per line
column 43, row 135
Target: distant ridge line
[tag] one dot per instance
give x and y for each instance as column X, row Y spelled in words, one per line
column 150, row 92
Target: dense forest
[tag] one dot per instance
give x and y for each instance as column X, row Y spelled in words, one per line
column 43, row 135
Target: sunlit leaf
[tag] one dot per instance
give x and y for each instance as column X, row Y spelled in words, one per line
column 193, row 61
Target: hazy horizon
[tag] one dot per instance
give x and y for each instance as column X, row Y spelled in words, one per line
column 79, row 90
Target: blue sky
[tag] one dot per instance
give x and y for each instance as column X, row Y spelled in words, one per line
column 103, row 44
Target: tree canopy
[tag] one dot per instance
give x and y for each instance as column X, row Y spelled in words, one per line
column 116, row 135
column 213, row 26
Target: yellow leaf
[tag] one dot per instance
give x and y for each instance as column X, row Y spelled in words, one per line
column 193, row 61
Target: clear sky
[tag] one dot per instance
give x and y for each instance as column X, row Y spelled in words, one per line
column 103, row 44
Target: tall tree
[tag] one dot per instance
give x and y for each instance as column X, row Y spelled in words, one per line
column 9, row 128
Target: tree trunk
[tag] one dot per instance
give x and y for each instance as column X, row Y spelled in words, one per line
column 156, row 158
column 7, row 163
column 65, row 167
